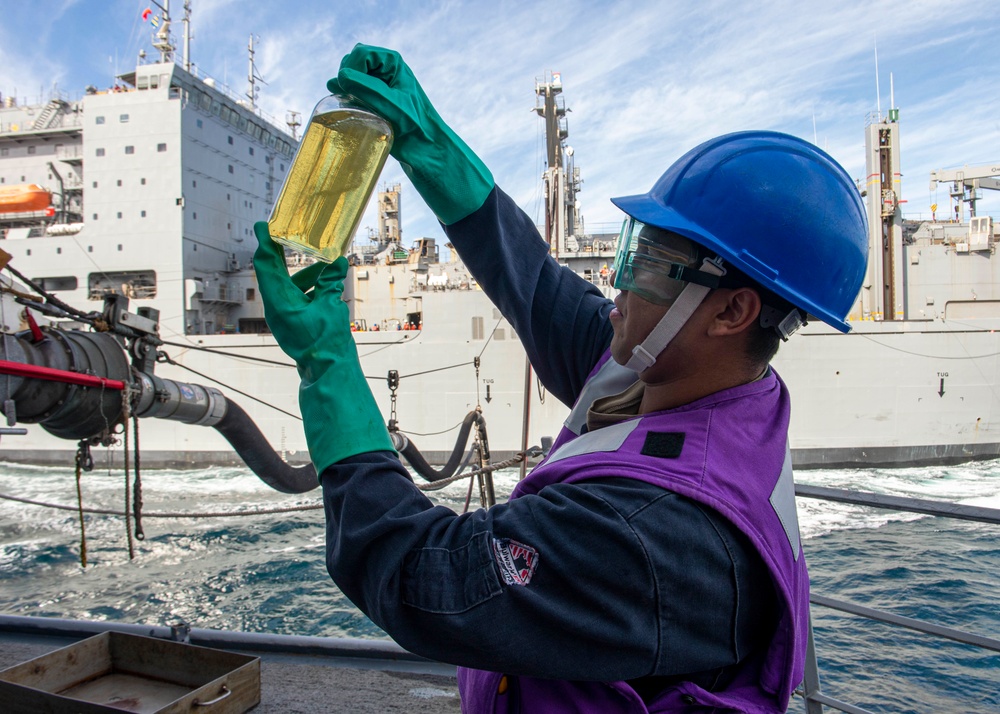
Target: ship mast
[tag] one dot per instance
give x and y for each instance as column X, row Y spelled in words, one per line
column 187, row 35
column 882, row 292
column 161, row 40
column 252, row 76
column 561, row 179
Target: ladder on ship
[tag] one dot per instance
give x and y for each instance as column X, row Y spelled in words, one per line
column 45, row 119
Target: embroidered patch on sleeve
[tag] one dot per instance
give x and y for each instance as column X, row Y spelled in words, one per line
column 517, row 562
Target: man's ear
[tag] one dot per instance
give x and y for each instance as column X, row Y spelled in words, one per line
column 735, row 310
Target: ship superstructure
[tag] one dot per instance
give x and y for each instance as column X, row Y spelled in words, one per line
column 149, row 189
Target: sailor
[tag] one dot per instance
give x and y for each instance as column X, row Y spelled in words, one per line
column 652, row 562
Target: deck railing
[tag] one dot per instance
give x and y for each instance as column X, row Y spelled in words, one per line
column 810, row 691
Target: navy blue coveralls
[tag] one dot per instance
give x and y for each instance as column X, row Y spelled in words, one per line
column 424, row 574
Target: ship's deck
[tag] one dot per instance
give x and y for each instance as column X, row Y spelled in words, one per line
column 301, row 683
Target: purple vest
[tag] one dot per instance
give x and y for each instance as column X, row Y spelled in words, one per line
column 735, row 460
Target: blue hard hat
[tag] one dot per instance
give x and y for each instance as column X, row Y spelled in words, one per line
column 776, row 208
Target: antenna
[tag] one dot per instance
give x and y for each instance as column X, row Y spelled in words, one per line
column 293, row 121
column 878, row 94
column 253, row 76
column 187, row 35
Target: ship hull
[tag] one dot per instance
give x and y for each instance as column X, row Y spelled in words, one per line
column 887, row 394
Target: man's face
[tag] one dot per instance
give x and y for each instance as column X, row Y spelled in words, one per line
column 646, row 291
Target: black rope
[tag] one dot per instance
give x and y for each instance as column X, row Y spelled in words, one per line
column 82, row 457
column 50, row 298
column 227, row 353
column 164, row 357
column 137, row 484
column 127, row 508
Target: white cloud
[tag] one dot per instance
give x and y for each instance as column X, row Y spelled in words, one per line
column 645, row 79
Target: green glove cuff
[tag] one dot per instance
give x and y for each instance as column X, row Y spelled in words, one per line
column 340, row 417
column 451, row 179
column 467, row 186
column 310, row 323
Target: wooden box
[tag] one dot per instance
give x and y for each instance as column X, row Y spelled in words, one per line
column 115, row 672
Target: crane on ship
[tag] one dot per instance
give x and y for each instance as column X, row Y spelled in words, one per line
column 966, row 185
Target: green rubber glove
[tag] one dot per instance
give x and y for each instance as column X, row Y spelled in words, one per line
column 310, row 323
column 451, row 179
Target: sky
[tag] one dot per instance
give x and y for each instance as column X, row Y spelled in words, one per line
column 644, row 80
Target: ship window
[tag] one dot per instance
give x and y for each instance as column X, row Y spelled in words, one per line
column 55, row 284
column 4, row 151
column 119, row 214
column 199, row 123
column 119, row 182
column 206, row 102
column 59, row 250
column 230, row 138
column 194, row 184
column 231, row 168
column 100, row 152
column 90, row 249
column 251, row 294
column 138, row 284
column 251, row 151
column 95, row 216
column 161, row 147
column 254, row 326
column 28, row 251
column 31, row 149
column 98, row 120
column 123, row 118
column 129, row 149
column 154, row 81
column 142, row 213
column 142, row 82
column 95, row 184
column 142, row 181
column 119, row 247
column 243, row 123
column 216, row 106
column 477, row 328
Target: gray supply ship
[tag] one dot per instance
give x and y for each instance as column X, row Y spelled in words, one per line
column 126, row 223
column 148, row 191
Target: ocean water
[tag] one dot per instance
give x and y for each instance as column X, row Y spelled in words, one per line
column 266, row 572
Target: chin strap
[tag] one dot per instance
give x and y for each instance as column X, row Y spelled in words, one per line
column 644, row 355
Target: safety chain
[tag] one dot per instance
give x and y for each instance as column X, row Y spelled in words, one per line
column 476, row 362
column 393, row 381
column 84, row 462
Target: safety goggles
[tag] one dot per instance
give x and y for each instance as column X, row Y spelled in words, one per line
column 656, row 264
